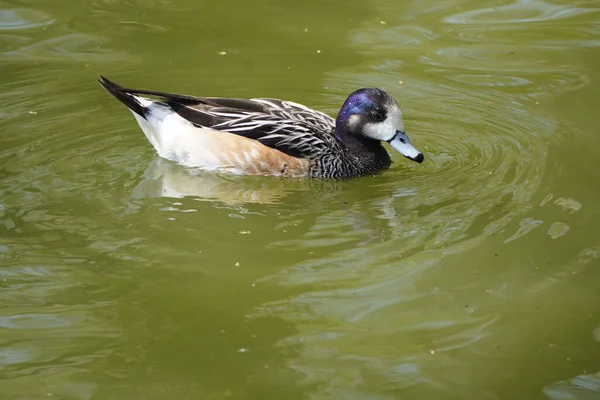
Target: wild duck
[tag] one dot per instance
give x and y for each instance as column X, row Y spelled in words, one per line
column 273, row 137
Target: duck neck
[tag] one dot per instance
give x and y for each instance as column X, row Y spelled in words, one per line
column 363, row 154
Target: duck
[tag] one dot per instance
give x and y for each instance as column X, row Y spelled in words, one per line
column 270, row 137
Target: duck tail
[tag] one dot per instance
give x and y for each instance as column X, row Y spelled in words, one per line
column 123, row 95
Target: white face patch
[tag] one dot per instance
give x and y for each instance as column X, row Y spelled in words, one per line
column 353, row 120
column 386, row 129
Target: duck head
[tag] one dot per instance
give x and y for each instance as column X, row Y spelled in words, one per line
column 370, row 114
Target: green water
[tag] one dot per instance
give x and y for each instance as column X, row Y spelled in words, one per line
column 471, row 276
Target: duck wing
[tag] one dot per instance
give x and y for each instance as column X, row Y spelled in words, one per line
column 291, row 128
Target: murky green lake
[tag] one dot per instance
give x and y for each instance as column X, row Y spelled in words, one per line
column 474, row 275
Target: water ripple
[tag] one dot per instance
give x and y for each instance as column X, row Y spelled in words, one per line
column 537, row 36
column 402, row 36
column 521, row 11
column 24, row 18
column 71, row 47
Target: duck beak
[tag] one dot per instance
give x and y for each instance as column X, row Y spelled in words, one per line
column 401, row 142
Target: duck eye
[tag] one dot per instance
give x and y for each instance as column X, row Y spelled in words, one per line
column 377, row 116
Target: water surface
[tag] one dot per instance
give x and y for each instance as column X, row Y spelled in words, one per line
column 471, row 276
